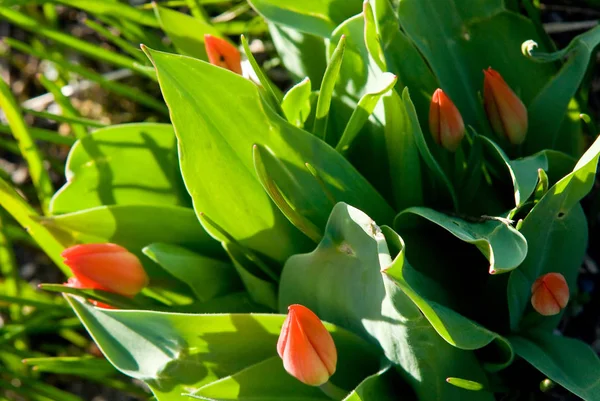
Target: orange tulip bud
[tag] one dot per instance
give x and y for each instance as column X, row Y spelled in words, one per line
column 223, row 54
column 549, row 294
column 506, row 112
column 445, row 122
column 107, row 267
column 306, row 347
column 75, row 283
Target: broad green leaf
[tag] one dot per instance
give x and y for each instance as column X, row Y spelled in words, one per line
column 267, row 380
column 568, row 362
column 503, row 246
column 402, row 58
column 79, row 366
column 287, row 194
column 216, row 144
column 302, row 54
column 176, row 353
column 556, row 232
column 524, row 171
column 106, row 297
column 261, row 289
column 207, row 277
column 364, row 108
column 342, row 282
column 130, row 164
column 403, row 154
column 134, row 227
column 459, row 38
column 548, row 108
column 186, row 32
column 296, row 104
column 317, row 17
column 381, row 386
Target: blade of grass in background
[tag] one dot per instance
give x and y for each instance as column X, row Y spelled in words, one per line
column 29, row 150
column 120, row 89
column 25, row 215
column 66, row 119
column 66, row 107
column 113, row 9
column 118, row 41
column 9, row 269
column 42, row 135
column 81, row 46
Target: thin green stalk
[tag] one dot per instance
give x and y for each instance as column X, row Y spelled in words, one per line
column 66, row 107
column 25, row 215
column 118, row 41
column 17, row 234
column 9, row 270
column 66, row 118
column 36, row 303
column 29, row 150
column 120, row 89
column 42, row 135
column 197, row 10
column 81, row 46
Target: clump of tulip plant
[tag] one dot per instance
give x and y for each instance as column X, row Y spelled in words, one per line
column 407, row 228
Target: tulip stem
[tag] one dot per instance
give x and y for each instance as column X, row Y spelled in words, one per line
column 332, row 391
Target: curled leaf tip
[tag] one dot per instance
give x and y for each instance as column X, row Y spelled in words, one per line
column 528, row 47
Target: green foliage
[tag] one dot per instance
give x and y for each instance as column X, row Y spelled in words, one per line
column 333, row 195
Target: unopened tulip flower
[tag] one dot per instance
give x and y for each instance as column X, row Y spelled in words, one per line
column 223, row 54
column 445, row 122
column 75, row 283
column 306, row 347
column 107, row 267
column 549, row 294
column 506, row 112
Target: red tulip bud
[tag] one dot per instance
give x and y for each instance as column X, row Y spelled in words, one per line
column 506, row 112
column 223, row 54
column 445, row 122
column 549, row 294
column 306, row 347
column 107, row 267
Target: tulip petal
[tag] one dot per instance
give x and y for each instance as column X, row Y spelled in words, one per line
column 550, row 294
column 223, row 54
column 318, row 336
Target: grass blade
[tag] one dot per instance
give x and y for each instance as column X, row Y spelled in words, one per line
column 29, row 150
column 66, row 119
column 66, row 107
column 42, row 135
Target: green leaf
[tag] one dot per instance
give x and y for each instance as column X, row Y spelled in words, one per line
column 177, row 353
column 134, row 227
column 317, row 17
column 273, row 93
column 524, row 171
column 124, row 164
column 400, row 139
column 556, row 232
column 113, row 9
column 110, row 298
column 548, row 108
column 466, row 384
column 326, row 91
column 296, row 104
column 377, row 387
column 568, row 362
column 364, row 108
column 261, row 290
column 207, row 277
column 302, row 54
column 263, row 381
column 342, row 282
column 459, row 39
column 218, row 167
column 447, row 190
column 186, row 32
column 503, row 246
